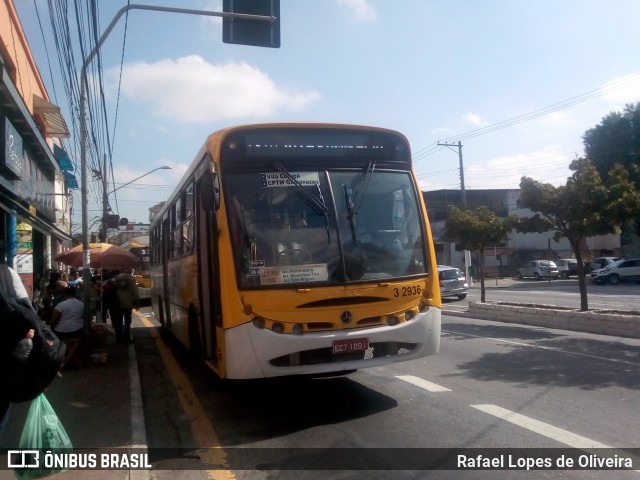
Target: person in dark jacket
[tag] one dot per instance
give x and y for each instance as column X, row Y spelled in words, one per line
column 128, row 299
column 15, row 338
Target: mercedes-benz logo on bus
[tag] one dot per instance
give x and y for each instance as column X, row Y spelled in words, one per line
column 346, row 317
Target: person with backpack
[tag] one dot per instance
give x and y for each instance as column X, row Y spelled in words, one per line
column 128, row 299
column 30, row 354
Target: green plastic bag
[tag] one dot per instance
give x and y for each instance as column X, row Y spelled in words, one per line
column 43, row 431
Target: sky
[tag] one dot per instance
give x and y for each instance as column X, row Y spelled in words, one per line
column 518, row 82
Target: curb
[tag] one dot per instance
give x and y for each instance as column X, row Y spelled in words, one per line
column 601, row 322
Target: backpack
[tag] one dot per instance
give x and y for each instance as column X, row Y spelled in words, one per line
column 23, row 381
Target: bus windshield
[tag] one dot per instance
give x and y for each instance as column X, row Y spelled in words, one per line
column 323, row 227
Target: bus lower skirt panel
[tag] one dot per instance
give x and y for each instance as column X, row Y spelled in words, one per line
column 322, row 356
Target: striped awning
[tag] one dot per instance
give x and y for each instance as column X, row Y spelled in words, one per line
column 56, row 126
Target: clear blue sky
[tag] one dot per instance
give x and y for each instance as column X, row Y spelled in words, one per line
column 434, row 70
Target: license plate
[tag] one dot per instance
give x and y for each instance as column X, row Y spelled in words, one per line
column 350, row 345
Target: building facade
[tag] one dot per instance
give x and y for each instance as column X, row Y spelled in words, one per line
column 36, row 176
column 518, row 248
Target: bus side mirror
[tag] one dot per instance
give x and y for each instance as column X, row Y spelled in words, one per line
column 209, row 186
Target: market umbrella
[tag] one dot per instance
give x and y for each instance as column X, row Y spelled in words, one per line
column 103, row 255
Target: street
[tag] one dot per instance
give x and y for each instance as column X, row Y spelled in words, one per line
column 565, row 293
column 491, row 386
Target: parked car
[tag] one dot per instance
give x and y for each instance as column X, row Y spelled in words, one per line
column 616, row 272
column 601, row 262
column 539, row 269
column 567, row 267
column 453, row 283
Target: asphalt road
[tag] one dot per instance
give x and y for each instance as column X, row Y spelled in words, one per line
column 491, row 386
column 559, row 292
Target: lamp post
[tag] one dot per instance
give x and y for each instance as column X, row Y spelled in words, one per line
column 105, row 196
column 86, row 255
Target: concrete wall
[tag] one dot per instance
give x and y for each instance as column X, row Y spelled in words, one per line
column 603, row 322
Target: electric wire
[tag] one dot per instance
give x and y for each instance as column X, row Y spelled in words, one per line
column 611, row 87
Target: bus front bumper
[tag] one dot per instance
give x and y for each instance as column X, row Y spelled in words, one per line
column 253, row 352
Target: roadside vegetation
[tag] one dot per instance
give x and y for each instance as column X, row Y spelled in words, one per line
column 601, row 196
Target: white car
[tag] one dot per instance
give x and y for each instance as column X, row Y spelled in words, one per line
column 567, row 267
column 539, row 269
column 616, row 272
column 601, row 262
column 453, row 283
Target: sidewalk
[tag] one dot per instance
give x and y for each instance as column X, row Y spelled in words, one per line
column 100, row 407
column 507, row 282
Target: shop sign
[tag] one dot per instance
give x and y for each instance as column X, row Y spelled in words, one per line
column 13, row 150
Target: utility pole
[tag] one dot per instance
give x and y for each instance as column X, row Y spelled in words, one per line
column 459, row 146
column 105, row 202
column 467, row 253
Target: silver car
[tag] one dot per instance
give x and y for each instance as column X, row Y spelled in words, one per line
column 539, row 269
column 452, row 282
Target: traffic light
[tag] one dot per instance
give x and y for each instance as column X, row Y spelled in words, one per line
column 111, row 221
column 252, row 32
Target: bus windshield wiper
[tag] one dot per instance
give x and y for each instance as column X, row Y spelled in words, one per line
column 354, row 201
column 349, row 201
column 316, row 202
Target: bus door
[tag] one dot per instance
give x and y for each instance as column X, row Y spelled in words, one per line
column 166, row 284
column 208, row 266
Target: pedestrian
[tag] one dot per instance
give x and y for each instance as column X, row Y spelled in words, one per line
column 46, row 296
column 55, row 291
column 67, row 320
column 109, row 298
column 128, row 299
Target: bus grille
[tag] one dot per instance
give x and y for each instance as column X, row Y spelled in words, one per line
column 321, row 356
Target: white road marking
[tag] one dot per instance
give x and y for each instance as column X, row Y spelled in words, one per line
column 545, row 429
column 554, row 433
column 419, row 382
column 554, row 349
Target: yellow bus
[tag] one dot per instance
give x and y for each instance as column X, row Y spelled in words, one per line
column 297, row 249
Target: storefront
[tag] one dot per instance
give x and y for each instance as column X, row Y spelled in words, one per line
column 34, row 189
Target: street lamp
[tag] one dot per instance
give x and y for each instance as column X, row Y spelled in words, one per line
column 105, row 197
column 86, row 254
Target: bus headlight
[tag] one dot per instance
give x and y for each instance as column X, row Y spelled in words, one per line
column 392, row 320
column 277, row 328
column 258, row 322
column 408, row 315
column 297, row 329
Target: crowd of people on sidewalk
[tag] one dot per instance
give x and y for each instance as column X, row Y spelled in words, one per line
column 114, row 294
column 57, row 300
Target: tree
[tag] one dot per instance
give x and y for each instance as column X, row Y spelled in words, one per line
column 475, row 230
column 584, row 207
column 617, row 140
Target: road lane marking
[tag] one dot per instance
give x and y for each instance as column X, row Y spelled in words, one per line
column 563, row 436
column 554, row 433
column 419, row 382
column 541, row 347
column 211, row 451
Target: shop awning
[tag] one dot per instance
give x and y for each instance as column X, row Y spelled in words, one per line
column 62, row 157
column 70, row 180
column 56, row 126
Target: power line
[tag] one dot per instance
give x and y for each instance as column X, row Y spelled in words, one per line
column 611, row 87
